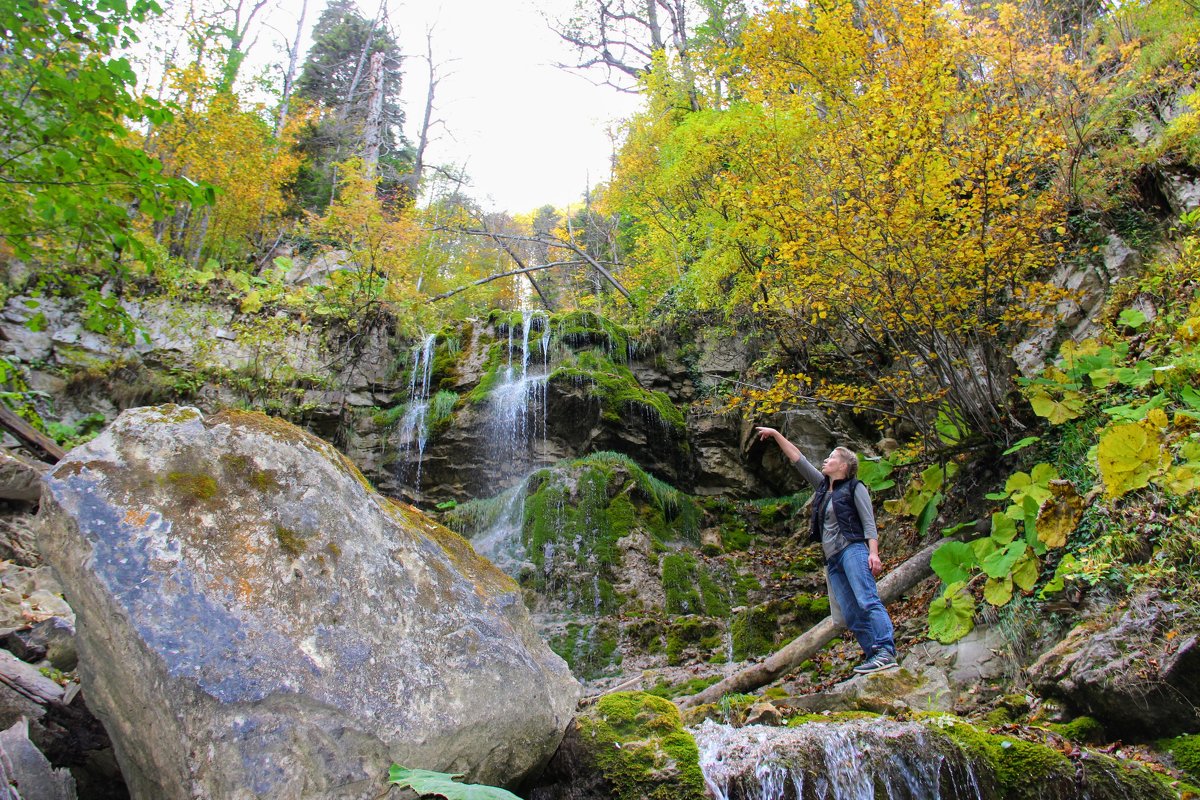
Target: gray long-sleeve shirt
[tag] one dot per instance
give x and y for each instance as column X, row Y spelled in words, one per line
column 832, row 540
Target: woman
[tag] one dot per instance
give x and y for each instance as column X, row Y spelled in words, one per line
column 844, row 522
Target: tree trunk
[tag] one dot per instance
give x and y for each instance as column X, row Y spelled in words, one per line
column 413, row 180
column 289, row 77
column 891, row 588
column 373, row 134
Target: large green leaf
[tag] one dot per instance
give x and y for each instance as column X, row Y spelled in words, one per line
column 1000, row 563
column 426, row 783
column 1004, row 530
column 1025, row 571
column 952, row 616
column 874, row 473
column 998, row 591
column 953, row 562
column 928, row 513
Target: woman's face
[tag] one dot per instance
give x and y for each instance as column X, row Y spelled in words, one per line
column 834, row 467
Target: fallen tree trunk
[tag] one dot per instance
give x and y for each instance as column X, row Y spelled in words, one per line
column 30, row 435
column 891, row 588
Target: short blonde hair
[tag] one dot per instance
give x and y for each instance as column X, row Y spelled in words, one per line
column 849, row 459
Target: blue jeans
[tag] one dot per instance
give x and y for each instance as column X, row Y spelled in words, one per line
column 853, row 588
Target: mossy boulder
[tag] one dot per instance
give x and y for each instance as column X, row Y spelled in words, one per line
column 1185, row 752
column 628, row 746
column 1126, row 671
column 253, row 617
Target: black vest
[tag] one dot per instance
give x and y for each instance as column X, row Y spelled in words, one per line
column 849, row 522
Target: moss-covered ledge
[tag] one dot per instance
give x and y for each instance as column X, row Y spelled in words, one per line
column 628, row 746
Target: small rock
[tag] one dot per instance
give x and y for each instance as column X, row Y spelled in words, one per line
column 764, row 714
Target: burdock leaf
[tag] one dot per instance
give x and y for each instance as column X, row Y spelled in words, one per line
column 1129, row 456
column 998, row 591
column 952, row 616
column 953, row 562
column 1060, row 514
column 426, row 782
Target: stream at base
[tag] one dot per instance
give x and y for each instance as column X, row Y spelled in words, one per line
column 849, row 760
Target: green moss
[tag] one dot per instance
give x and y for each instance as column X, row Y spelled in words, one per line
column 753, row 632
column 589, row 650
column 292, row 543
column 1082, row 730
column 834, row 717
column 692, row 633
column 389, row 416
column 615, row 386
column 1022, row 770
column 194, row 485
column 639, row 747
column 444, row 370
column 685, row 689
column 583, row 329
column 1185, row 751
column 679, row 582
column 734, row 536
column 493, row 374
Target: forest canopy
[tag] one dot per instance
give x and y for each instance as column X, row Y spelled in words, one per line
column 882, row 192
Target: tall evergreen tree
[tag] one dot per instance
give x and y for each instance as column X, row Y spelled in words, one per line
column 337, row 78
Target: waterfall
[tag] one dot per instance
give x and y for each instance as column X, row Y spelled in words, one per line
column 849, row 760
column 412, row 431
column 517, row 419
column 500, row 540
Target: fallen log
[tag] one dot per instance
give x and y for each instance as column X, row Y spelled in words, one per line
column 891, row 588
column 30, row 435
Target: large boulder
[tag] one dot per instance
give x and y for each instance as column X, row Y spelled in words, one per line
column 1137, row 671
column 255, row 621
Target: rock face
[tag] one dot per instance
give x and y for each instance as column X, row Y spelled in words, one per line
column 1138, row 673
column 255, row 621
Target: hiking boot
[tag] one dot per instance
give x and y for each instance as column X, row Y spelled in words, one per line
column 882, row 660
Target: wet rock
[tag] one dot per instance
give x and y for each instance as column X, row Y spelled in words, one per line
column 253, row 620
column 763, row 714
column 25, row 774
column 926, row 690
column 940, row 757
column 858, row 758
column 1137, row 672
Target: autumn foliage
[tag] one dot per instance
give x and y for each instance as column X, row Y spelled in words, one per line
column 884, row 197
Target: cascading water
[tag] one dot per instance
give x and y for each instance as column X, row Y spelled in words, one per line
column 518, row 403
column 850, row 760
column 412, row 431
column 500, row 539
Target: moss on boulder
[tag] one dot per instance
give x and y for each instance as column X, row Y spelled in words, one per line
column 636, row 744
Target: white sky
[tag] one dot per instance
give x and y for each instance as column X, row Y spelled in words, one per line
column 527, row 132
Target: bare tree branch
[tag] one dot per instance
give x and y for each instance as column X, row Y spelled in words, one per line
column 509, row 274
